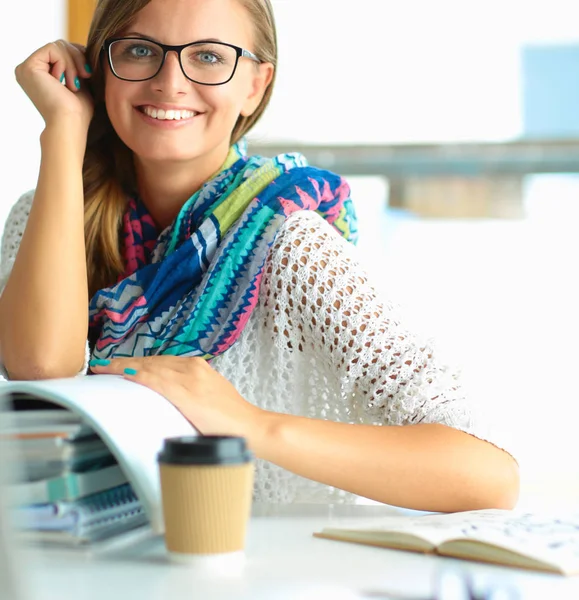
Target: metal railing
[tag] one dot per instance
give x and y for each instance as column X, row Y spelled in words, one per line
column 468, row 159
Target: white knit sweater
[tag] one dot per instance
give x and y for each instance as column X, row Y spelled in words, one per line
column 321, row 343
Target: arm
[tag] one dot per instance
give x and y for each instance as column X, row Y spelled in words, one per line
column 44, row 336
column 417, row 448
column 424, row 467
column 44, row 306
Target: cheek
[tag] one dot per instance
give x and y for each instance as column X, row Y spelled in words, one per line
column 117, row 103
column 226, row 100
column 112, row 104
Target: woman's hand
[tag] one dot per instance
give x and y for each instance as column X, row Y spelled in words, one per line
column 42, row 74
column 203, row 396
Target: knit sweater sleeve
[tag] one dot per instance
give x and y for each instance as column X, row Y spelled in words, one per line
column 11, row 238
column 325, row 304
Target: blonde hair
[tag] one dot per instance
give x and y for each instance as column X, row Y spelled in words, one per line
column 108, row 170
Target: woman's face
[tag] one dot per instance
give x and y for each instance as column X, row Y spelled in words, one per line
column 203, row 131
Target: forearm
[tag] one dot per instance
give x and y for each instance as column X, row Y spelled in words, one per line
column 44, row 307
column 424, row 467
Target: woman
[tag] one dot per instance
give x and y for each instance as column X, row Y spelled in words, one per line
column 224, row 282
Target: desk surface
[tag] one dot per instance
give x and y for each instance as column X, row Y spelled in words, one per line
column 283, row 562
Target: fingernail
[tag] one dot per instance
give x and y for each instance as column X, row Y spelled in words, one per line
column 99, row 362
column 77, row 83
column 130, row 372
column 87, row 68
column 62, row 78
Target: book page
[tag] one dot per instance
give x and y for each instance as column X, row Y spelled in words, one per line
column 131, row 419
column 433, row 528
column 550, row 539
column 545, row 537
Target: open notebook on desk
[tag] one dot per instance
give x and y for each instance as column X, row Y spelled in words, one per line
column 542, row 542
column 127, row 420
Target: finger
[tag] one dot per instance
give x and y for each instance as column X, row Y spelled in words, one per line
column 169, row 367
column 63, row 66
column 178, row 364
column 117, row 366
column 114, row 366
column 56, row 59
column 169, row 387
column 71, row 75
column 58, row 71
column 157, row 372
column 77, row 53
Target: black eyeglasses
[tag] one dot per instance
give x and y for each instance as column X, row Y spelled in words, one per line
column 207, row 63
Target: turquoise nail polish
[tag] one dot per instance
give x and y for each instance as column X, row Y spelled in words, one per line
column 62, row 78
column 77, row 83
column 130, row 372
column 99, row 362
column 87, row 68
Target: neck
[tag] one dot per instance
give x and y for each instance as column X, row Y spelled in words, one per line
column 165, row 186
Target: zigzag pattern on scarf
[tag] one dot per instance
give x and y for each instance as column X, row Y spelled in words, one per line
column 195, row 285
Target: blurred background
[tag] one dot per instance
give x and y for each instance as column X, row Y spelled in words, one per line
column 457, row 126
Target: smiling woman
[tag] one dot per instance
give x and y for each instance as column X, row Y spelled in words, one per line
column 229, row 283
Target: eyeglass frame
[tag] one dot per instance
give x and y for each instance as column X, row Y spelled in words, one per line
column 240, row 53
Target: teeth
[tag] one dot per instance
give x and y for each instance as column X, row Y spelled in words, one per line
column 168, row 115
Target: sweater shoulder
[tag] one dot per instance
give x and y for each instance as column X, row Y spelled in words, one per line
column 12, row 234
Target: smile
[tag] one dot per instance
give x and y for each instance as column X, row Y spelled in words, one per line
column 167, row 115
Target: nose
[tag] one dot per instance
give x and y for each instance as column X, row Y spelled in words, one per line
column 171, row 80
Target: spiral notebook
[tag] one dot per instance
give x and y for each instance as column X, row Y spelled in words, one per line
column 88, row 519
column 131, row 422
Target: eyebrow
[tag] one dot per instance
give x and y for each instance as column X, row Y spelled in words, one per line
column 152, row 39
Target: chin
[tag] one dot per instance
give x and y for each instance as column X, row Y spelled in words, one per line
column 166, row 154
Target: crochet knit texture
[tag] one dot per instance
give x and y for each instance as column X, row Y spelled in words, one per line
column 321, row 343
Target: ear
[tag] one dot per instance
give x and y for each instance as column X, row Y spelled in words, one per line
column 263, row 76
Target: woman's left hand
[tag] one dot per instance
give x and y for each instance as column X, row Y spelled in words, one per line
column 208, row 400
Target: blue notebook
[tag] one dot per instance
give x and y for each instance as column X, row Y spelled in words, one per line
column 85, row 520
column 67, row 486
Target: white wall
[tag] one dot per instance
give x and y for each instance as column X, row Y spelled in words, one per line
column 406, row 70
column 31, row 24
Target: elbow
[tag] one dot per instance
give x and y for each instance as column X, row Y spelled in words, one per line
column 38, row 368
column 508, row 484
column 498, row 486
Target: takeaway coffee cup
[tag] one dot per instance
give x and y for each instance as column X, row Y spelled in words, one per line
column 206, row 489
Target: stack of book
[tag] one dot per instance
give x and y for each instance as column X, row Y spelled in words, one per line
column 69, row 486
column 86, row 451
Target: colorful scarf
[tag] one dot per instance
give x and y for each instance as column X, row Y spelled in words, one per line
column 191, row 290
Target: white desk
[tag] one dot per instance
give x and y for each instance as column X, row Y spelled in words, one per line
column 283, row 562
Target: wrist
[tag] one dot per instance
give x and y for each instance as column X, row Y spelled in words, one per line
column 65, row 135
column 70, row 128
column 264, row 432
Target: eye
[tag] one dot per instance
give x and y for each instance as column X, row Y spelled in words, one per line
column 140, row 51
column 208, row 58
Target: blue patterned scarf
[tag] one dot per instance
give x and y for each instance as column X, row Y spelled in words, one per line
column 190, row 290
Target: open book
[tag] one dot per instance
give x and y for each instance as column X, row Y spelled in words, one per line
column 518, row 539
column 130, row 419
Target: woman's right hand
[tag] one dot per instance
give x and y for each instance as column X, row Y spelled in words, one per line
column 41, row 77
